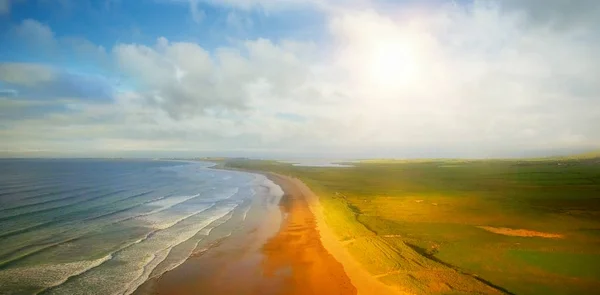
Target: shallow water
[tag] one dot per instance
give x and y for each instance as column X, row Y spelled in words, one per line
column 106, row 226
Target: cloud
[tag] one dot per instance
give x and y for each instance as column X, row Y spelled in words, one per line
column 26, row 74
column 480, row 81
column 480, row 75
column 185, row 80
column 251, row 4
column 278, row 5
column 16, row 109
column 35, row 39
column 485, row 79
column 84, row 47
column 557, row 13
column 9, row 92
column 238, row 21
column 80, row 86
column 265, row 6
column 35, row 33
column 84, row 50
column 4, row 7
column 46, row 82
column 197, row 14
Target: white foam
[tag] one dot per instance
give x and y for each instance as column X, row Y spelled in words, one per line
column 47, row 275
column 171, row 201
column 206, row 231
column 174, row 223
column 163, row 220
column 246, row 212
column 225, row 194
column 176, row 240
column 133, row 265
column 274, row 189
column 166, row 203
column 155, row 260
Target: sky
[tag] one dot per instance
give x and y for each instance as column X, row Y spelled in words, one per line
column 299, row 78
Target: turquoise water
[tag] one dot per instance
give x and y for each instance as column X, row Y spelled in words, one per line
column 106, row 226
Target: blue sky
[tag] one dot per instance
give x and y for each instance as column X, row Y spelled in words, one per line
column 355, row 78
column 106, row 22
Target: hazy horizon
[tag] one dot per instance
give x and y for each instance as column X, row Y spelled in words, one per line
column 288, row 156
column 287, row 79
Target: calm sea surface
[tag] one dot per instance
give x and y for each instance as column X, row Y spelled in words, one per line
column 106, row 226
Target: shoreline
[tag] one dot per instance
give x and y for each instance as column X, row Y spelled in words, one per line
column 278, row 252
column 364, row 282
column 292, row 251
column 299, row 245
column 249, row 228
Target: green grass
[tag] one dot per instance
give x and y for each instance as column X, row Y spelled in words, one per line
column 568, row 264
column 414, row 223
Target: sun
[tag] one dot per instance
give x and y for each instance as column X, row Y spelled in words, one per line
column 391, row 64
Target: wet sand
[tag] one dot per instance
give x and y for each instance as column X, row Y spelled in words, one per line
column 277, row 251
column 298, row 248
column 363, row 281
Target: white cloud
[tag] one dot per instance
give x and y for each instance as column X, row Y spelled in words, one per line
column 36, row 33
column 482, row 77
column 445, row 81
column 479, row 79
column 85, row 48
column 26, row 74
column 197, row 14
column 38, row 39
column 557, row 13
column 250, row 4
column 185, row 80
column 266, row 6
column 238, row 21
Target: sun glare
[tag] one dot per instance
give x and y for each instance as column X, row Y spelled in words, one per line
column 392, row 65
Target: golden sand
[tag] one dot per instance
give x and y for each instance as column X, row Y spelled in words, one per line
column 363, row 281
column 289, row 256
column 520, row 232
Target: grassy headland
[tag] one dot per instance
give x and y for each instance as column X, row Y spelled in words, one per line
column 465, row 226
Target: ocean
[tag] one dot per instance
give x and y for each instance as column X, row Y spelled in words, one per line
column 106, row 226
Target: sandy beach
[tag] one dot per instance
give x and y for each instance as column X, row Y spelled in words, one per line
column 364, row 282
column 284, row 251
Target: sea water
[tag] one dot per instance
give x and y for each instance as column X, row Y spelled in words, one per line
column 106, row 226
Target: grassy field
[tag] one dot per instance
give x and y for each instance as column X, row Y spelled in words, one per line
column 458, row 226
